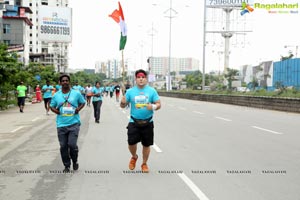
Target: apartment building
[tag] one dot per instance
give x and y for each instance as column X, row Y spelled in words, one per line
column 14, row 26
column 21, row 28
column 112, row 68
column 160, row 65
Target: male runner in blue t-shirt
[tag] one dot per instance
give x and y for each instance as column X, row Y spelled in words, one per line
column 67, row 103
column 47, row 95
column 143, row 101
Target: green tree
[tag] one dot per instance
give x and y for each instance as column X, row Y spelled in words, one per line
column 194, row 79
column 84, row 78
column 254, row 83
column 9, row 66
column 230, row 76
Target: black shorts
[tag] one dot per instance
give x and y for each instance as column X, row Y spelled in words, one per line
column 144, row 135
column 21, row 101
column 46, row 100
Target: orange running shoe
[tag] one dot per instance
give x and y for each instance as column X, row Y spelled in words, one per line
column 145, row 168
column 132, row 162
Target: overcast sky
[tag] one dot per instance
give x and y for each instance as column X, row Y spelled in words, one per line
column 96, row 36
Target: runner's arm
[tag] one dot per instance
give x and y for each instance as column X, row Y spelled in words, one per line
column 123, row 102
column 79, row 108
column 55, row 110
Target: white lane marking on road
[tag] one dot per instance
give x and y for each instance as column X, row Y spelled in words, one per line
column 193, row 187
column 201, row 113
column 35, row 119
column 182, row 108
column 156, row 148
column 228, row 120
column 263, row 129
column 17, row 129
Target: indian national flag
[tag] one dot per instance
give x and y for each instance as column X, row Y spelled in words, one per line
column 118, row 16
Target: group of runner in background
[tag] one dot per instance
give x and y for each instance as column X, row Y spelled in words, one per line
column 48, row 90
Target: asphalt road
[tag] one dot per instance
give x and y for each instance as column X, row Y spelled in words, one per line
column 202, row 150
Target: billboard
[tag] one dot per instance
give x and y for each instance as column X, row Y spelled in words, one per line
column 226, row 3
column 55, row 24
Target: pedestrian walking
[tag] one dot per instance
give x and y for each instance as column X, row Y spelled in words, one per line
column 97, row 101
column 21, row 92
column 67, row 103
column 143, row 100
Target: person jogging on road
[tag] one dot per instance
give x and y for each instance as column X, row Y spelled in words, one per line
column 97, row 101
column 21, row 92
column 47, row 95
column 143, row 100
column 111, row 91
column 89, row 94
column 127, row 87
column 117, row 88
column 67, row 103
column 58, row 86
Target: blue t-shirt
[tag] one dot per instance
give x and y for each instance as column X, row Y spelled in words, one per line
column 112, row 88
column 58, row 87
column 138, row 99
column 97, row 91
column 77, row 87
column 67, row 114
column 47, row 93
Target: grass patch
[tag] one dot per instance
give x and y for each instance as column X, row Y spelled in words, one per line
column 285, row 93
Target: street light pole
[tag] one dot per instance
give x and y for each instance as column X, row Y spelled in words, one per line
column 170, row 10
column 152, row 34
column 204, row 44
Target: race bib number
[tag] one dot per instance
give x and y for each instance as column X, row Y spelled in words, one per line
column 141, row 101
column 68, row 111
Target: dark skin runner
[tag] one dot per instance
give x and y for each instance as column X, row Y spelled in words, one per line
column 65, row 88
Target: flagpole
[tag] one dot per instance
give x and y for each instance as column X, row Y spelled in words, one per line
column 123, row 71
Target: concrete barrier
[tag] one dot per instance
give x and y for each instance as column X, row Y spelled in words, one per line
column 271, row 103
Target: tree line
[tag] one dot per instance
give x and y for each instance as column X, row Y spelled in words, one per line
column 12, row 72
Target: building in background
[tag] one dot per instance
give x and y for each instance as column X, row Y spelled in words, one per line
column 271, row 75
column 261, row 74
column 42, row 27
column 159, row 65
column 15, row 30
column 112, row 68
column 287, row 73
